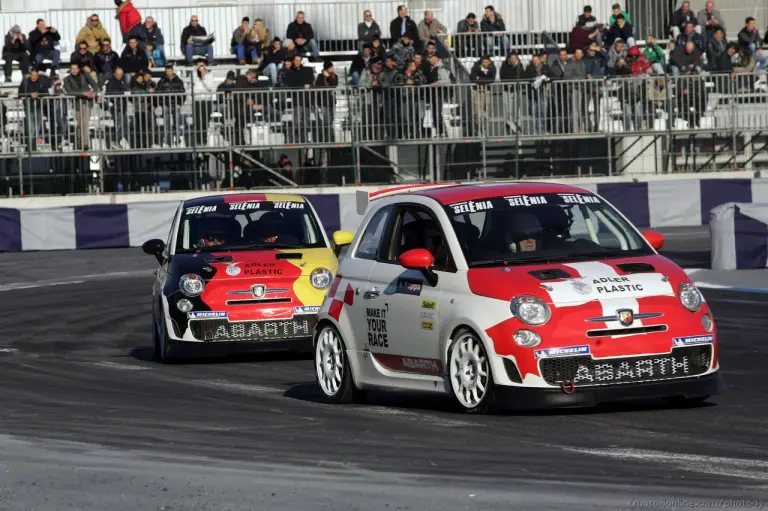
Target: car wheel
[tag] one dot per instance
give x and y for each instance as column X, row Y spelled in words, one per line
column 332, row 369
column 162, row 347
column 470, row 373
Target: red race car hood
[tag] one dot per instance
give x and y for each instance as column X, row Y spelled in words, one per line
column 563, row 284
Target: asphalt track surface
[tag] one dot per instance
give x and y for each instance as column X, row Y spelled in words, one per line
column 89, row 421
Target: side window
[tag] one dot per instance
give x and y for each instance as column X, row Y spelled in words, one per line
column 417, row 228
column 368, row 248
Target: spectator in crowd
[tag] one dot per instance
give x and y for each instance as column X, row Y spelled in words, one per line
column 239, row 42
column 558, row 66
column 617, row 52
column 492, row 22
column 690, row 35
column 115, row 91
column 249, row 102
column 716, row 47
column 586, row 18
column 410, row 75
column 84, row 88
column 273, row 60
column 377, row 50
column 300, row 78
column 540, row 75
column 388, row 71
column 742, row 60
column 483, row 74
column 469, row 44
column 105, row 61
column 303, row 37
column 620, row 30
column 681, row 17
column 32, row 90
column 685, row 60
column 284, row 71
column 437, row 77
column 576, row 68
column 326, row 82
column 749, row 40
column 404, row 51
column 133, row 59
column 130, row 20
column 204, row 94
column 722, row 62
column 616, row 11
column 224, row 94
column 710, row 18
column 195, row 42
column 154, row 42
column 43, row 42
column 93, row 33
column 579, row 106
column 580, row 37
column 15, row 50
column 638, row 62
column 512, row 69
column 367, row 29
column 258, row 39
column 595, row 64
column 144, row 134
column 84, row 58
column 172, row 96
column 403, row 25
column 359, row 64
column 371, row 77
column 430, row 29
column 655, row 55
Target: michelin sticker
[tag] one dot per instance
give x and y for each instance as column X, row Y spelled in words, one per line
column 206, row 315
column 562, row 352
column 695, row 339
column 307, row 309
column 376, row 320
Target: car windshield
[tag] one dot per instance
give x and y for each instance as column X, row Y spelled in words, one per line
column 541, row 228
column 253, row 225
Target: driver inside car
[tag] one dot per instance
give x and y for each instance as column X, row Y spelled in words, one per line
column 525, row 233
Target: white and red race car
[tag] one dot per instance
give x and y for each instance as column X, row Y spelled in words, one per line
column 533, row 294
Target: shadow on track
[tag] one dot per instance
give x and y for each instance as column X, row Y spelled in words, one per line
column 310, row 392
column 221, row 355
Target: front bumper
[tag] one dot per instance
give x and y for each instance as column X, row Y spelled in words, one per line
column 544, row 398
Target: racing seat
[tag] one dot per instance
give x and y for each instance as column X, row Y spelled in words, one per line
column 271, row 224
column 467, row 234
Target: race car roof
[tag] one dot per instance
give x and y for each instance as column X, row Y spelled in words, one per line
column 461, row 193
column 243, row 197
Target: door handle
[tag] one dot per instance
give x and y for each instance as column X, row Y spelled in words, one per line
column 371, row 294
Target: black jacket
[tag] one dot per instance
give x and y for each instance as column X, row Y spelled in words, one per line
column 155, row 37
column 746, row 38
column 298, row 78
column 395, row 29
column 190, row 31
column 680, row 19
column 172, row 86
column 366, row 34
column 106, row 62
column 83, row 60
column 39, row 41
column 478, row 77
column 133, row 62
column 619, row 33
column 17, row 46
column 510, row 73
column 358, row 63
column 27, row 87
column 116, row 87
column 299, row 31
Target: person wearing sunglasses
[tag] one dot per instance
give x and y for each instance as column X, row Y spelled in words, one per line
column 93, row 33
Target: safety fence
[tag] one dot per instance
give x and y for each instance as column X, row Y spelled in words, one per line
column 646, row 124
column 335, row 23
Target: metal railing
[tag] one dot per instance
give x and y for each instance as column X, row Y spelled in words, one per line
column 335, row 23
column 221, row 130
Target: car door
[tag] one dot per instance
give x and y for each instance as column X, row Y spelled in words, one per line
column 402, row 307
column 355, row 269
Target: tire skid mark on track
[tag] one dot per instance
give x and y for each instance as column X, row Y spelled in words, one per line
column 711, row 465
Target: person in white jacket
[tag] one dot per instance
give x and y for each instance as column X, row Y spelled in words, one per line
column 204, row 96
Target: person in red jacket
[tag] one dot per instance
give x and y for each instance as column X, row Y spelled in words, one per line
column 640, row 64
column 130, row 20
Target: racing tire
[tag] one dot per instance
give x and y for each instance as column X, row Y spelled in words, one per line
column 469, row 370
column 162, row 346
column 332, row 370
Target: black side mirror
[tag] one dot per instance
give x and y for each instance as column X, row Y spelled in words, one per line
column 154, row 247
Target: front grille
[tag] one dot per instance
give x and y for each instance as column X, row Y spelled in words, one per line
column 586, row 372
column 259, row 302
column 218, row 330
column 608, row 332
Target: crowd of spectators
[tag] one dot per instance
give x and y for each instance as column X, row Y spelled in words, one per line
column 409, row 54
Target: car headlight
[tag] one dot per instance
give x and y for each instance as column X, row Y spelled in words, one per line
column 191, row 284
column 321, row 278
column 690, row 296
column 530, row 310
